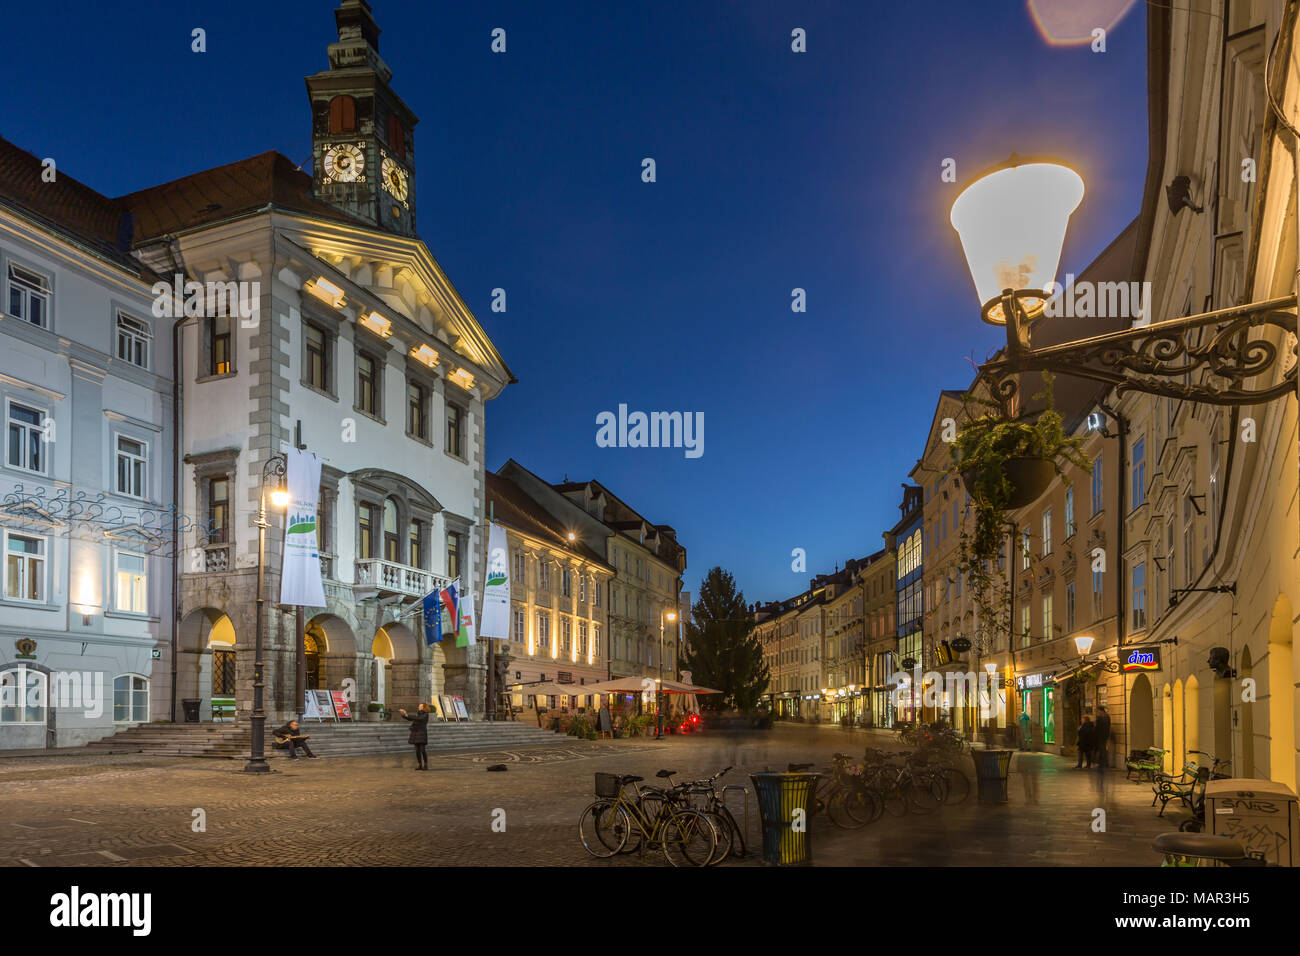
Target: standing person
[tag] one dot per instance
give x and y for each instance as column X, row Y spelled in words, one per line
column 1085, row 741
column 1100, row 738
column 419, row 735
column 1025, row 733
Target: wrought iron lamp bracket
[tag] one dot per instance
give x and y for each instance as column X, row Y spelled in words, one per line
column 1164, row 358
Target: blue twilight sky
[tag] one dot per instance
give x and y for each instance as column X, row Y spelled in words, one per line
column 775, row 170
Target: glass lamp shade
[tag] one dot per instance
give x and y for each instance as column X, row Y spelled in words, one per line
column 1084, row 645
column 280, row 498
column 1012, row 225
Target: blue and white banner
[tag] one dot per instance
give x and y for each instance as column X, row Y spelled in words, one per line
column 496, row 589
column 300, row 581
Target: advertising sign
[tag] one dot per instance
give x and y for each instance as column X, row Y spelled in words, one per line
column 341, row 707
column 1138, row 660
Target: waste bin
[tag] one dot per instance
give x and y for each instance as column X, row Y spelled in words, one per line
column 191, row 707
column 1262, row 814
column 992, row 767
column 779, row 796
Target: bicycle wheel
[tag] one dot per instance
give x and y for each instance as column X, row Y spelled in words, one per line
column 893, row 801
column 724, row 836
column 737, row 835
column 957, row 785
column 835, row 811
column 689, row 838
column 923, row 794
column 864, row 806
column 603, row 828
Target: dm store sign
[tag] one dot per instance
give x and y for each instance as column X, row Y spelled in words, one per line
column 1141, row 660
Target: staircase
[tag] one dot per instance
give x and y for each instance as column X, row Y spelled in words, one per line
column 327, row 739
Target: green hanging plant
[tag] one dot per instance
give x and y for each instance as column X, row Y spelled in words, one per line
column 1005, row 463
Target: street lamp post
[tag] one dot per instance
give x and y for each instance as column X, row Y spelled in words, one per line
column 659, row 697
column 1012, row 224
column 275, row 466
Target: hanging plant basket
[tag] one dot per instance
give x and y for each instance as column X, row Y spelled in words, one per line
column 1028, row 477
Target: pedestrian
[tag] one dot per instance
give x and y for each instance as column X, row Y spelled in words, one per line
column 1025, row 733
column 289, row 737
column 1101, row 738
column 1085, row 741
column 419, row 735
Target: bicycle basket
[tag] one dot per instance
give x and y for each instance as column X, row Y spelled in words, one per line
column 607, row 785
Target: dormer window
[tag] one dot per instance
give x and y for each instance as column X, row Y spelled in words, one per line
column 343, row 115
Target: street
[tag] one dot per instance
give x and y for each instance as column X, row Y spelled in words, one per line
column 114, row 811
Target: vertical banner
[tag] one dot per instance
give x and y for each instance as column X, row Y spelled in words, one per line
column 432, row 617
column 300, row 582
column 465, row 635
column 496, row 589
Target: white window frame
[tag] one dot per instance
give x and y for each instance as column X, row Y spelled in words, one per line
column 1098, row 487
column 43, row 558
column 141, row 336
column 45, row 293
column 1047, row 532
column 42, row 679
column 1138, row 473
column 143, row 461
column 44, row 414
column 131, row 691
column 119, row 553
column 1069, row 513
column 1138, row 595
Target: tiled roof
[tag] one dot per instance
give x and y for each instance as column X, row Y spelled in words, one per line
column 67, row 207
column 509, row 505
column 223, row 192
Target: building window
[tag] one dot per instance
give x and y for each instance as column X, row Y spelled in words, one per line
column 416, row 543
column 417, row 410
column 1047, row 532
column 520, row 575
column 132, row 456
column 582, row 638
column 455, row 427
column 595, row 589
column 565, row 629
column 343, row 115
column 1048, row 621
column 365, row 531
column 453, row 554
column 396, row 137
column 29, row 295
column 133, row 340
column 318, row 371
column 543, row 632
column 1138, row 472
column 582, row 589
column 219, row 356
column 566, row 582
column 1096, row 597
column 1096, row 486
column 1069, row 607
column 517, row 630
column 1024, row 626
column 1140, row 597
column 25, row 704
column 25, row 567
column 392, row 543
column 1069, row 513
column 367, row 384
column 543, row 574
column 1024, row 549
column 26, row 438
column 1189, row 540
column 218, row 508
column 130, row 583
column 130, row 699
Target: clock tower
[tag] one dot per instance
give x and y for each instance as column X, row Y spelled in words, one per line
column 363, row 147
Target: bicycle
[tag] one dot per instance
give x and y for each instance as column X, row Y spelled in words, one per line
column 844, row 796
column 657, row 817
column 903, row 789
column 731, row 837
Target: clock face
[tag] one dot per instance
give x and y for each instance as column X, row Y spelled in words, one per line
column 345, row 163
column 394, row 177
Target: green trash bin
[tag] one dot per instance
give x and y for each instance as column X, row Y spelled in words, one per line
column 779, row 796
column 992, row 768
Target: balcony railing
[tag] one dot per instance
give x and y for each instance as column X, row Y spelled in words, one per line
column 392, row 578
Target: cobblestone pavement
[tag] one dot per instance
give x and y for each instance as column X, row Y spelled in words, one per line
column 119, row 810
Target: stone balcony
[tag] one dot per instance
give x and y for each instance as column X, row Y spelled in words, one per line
column 391, row 578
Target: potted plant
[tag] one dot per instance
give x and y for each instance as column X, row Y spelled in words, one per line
column 1005, row 463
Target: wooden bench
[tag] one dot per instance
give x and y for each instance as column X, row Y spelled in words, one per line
column 1144, row 763
column 223, row 709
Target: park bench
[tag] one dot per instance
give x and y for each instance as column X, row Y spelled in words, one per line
column 1188, row 788
column 1144, row 763
column 223, row 709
